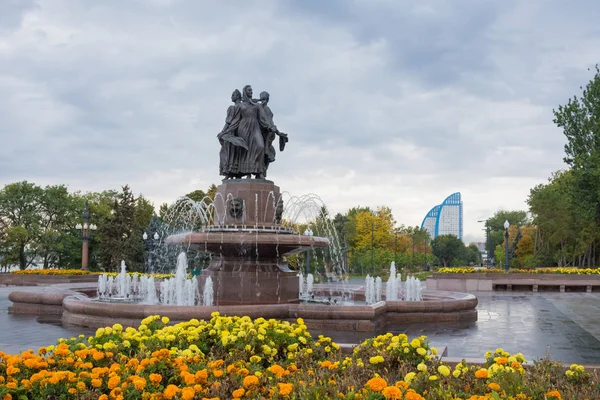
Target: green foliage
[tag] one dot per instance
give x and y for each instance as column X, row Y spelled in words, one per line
column 20, row 209
column 121, row 233
column 448, row 249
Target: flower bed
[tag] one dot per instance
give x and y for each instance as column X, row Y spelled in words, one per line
column 51, row 271
column 558, row 270
column 237, row 357
column 66, row 272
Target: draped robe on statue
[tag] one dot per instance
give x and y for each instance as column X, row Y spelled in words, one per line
column 249, row 124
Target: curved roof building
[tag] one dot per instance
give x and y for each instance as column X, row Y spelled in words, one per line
column 446, row 218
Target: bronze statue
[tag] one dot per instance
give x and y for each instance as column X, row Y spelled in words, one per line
column 231, row 145
column 247, row 137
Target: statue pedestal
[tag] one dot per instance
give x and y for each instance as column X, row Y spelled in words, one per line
column 257, row 200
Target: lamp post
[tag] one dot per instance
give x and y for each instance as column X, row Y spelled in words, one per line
column 150, row 247
column 308, row 232
column 85, row 236
column 487, row 238
column 506, row 225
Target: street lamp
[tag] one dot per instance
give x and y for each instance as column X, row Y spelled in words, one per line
column 308, row 232
column 85, row 236
column 506, row 225
column 150, row 247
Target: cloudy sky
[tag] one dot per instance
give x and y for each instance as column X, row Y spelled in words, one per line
column 386, row 102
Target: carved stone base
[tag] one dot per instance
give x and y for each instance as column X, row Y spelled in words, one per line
column 246, row 282
column 257, row 199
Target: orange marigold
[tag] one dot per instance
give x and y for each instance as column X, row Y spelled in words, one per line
column 171, row 391
column 238, row 392
column 187, row 393
column 277, row 369
column 494, row 386
column 250, row 380
column 553, row 394
column 392, row 392
column 412, row 395
column 502, row 360
column 376, row 384
column 155, row 378
column 481, row 373
column 285, row 388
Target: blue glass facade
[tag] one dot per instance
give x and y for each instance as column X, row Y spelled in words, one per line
column 445, row 218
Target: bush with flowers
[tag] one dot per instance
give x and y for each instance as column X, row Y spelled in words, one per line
column 51, row 271
column 241, row 358
column 66, row 272
column 557, row 270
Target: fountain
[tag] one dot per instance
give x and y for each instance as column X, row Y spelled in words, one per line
column 249, row 244
column 249, row 229
column 178, row 290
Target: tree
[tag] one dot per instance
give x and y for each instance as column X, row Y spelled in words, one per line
column 59, row 212
column 20, row 205
column 121, row 236
column 447, row 248
column 580, row 121
column 495, row 226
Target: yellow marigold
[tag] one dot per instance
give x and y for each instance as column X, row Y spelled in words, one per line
column 421, row 351
column 422, row 367
column 250, row 381
column 171, row 391
column 553, row 394
column 238, row 392
column 415, row 343
column 285, row 388
column 444, row 370
column 376, row 384
column 481, row 373
column 494, row 386
column 392, row 392
column 188, row 393
column 376, row 360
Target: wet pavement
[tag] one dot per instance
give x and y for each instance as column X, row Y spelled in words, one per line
column 564, row 325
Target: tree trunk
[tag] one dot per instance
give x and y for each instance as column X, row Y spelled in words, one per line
column 22, row 258
column 45, row 261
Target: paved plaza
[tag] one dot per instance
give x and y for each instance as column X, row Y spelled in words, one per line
column 564, row 325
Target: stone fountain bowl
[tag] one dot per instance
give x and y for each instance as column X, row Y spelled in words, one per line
column 438, row 307
column 248, row 241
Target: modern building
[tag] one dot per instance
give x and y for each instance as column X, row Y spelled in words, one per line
column 445, row 218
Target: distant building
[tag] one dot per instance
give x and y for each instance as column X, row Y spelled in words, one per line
column 445, row 218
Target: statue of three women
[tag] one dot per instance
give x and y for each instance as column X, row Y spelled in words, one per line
column 247, row 137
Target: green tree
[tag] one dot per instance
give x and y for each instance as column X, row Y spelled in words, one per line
column 448, row 249
column 60, row 212
column 580, row 121
column 20, row 205
column 121, row 235
column 495, row 226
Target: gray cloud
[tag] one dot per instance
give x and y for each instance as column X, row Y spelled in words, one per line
column 386, row 102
